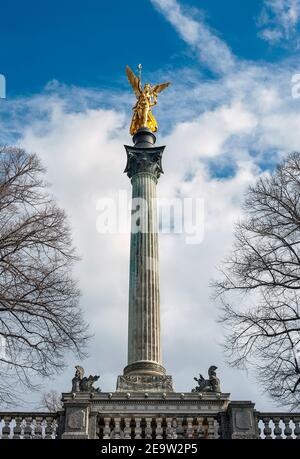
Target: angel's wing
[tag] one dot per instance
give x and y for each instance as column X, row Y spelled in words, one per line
column 160, row 87
column 134, row 81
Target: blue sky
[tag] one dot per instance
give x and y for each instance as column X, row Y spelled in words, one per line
column 88, row 43
column 230, row 115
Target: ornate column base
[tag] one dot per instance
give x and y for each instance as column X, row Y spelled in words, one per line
column 144, row 367
column 144, row 376
column 145, row 383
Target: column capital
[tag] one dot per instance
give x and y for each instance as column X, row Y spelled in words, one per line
column 144, row 160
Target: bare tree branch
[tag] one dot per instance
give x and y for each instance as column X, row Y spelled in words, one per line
column 265, row 263
column 40, row 318
column 51, row 401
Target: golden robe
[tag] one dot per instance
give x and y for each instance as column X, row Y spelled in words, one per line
column 137, row 121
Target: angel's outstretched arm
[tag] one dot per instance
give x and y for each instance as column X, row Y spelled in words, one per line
column 154, row 101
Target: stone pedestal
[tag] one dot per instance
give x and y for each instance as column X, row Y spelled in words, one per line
column 243, row 423
column 77, row 418
column 145, row 383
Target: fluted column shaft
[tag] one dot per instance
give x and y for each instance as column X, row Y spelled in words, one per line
column 144, row 346
column 144, row 300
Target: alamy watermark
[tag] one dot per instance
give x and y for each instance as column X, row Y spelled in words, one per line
column 2, row 87
column 169, row 216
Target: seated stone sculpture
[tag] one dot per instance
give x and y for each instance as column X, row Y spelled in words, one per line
column 208, row 385
column 81, row 383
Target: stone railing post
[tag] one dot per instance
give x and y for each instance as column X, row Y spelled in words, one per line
column 107, row 429
column 137, row 428
column 127, row 428
column 93, row 426
column 77, row 421
column 242, row 421
column 148, row 428
column 190, row 428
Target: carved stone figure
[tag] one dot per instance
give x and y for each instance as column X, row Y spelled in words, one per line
column 83, row 384
column 208, row 385
column 86, row 384
column 77, row 378
column 146, row 99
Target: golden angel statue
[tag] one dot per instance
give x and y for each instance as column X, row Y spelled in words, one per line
column 146, row 98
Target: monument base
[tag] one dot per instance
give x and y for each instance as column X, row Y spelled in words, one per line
column 145, row 383
column 156, row 415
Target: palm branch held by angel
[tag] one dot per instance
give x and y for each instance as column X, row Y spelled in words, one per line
column 146, row 99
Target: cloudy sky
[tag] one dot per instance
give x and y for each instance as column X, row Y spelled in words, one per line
column 231, row 114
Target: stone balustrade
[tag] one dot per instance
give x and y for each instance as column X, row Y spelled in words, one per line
column 204, row 427
column 29, row 425
column 279, row 426
column 111, row 426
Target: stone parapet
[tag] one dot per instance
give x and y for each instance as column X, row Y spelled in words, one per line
column 151, row 415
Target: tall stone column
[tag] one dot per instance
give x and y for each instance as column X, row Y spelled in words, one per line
column 144, row 370
column 144, row 315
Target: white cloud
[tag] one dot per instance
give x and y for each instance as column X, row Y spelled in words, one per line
column 279, row 20
column 212, row 50
column 205, row 136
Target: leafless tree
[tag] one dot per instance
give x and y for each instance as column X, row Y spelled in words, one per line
column 51, row 401
column 264, row 268
column 40, row 319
